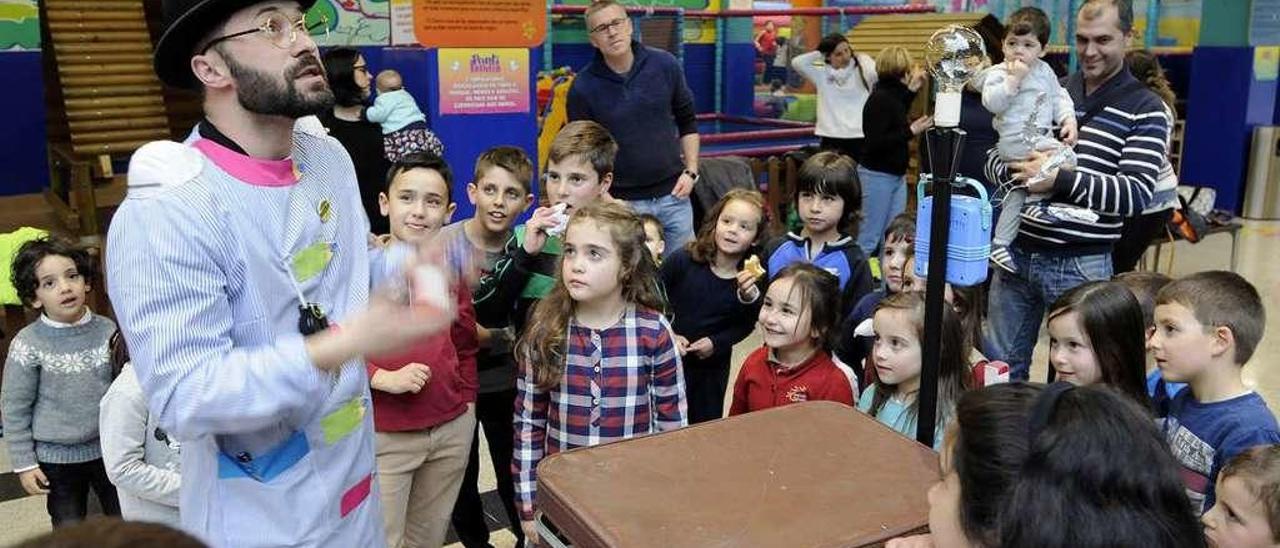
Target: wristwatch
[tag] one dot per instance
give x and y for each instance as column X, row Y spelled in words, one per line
column 692, row 174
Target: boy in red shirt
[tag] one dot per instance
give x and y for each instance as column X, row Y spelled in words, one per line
column 424, row 397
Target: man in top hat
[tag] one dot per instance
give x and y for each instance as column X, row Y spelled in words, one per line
column 228, row 260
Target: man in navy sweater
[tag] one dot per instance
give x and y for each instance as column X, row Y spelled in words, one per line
column 1066, row 240
column 639, row 94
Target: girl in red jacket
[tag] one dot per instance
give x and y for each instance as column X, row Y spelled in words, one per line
column 798, row 322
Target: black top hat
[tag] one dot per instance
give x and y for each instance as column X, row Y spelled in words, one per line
column 186, row 22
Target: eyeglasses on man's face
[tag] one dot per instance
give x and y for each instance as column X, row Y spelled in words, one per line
column 610, row 27
column 279, row 29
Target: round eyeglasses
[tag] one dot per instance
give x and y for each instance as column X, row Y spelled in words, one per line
column 280, row 30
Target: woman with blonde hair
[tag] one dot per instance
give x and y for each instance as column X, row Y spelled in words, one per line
column 889, row 132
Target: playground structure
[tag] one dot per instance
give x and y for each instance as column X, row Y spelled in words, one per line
column 763, row 142
column 845, row 18
column 681, row 16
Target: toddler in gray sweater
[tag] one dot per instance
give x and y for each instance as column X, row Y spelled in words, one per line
column 1027, row 100
column 56, row 372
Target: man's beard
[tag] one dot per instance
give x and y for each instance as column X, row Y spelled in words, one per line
column 259, row 93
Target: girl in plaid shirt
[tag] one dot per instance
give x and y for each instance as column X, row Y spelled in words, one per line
column 598, row 362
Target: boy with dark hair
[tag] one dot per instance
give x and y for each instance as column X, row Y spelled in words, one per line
column 899, row 244
column 828, row 200
column 1207, row 327
column 579, row 172
column 57, row 370
column 423, row 396
column 501, row 188
column 1024, row 95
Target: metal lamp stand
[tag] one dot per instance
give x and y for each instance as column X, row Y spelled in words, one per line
column 944, row 155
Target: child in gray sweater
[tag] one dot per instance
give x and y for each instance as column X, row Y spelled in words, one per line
column 56, row 372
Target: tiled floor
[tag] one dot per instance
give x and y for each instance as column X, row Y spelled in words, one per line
column 25, row 517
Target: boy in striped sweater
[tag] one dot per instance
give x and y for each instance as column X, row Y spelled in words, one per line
column 1066, row 239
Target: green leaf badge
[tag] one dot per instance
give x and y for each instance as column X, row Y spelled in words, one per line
column 312, row 261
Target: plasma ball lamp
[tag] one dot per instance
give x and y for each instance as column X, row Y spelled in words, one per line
column 954, row 54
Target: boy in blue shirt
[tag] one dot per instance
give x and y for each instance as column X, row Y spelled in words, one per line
column 1207, row 326
column 828, row 200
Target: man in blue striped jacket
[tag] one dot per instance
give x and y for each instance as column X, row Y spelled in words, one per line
column 224, row 262
column 1066, row 240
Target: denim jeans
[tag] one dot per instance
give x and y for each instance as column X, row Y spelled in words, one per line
column 676, row 215
column 884, row 196
column 1018, row 302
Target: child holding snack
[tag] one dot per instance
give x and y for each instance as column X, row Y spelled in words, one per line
column 1026, row 98
column 828, row 199
column 714, row 297
column 797, row 322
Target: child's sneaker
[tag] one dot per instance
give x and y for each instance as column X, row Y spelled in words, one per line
column 1000, row 257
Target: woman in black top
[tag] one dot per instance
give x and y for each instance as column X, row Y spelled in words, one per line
column 349, row 79
column 888, row 137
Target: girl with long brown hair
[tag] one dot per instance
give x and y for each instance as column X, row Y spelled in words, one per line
column 598, row 362
column 894, row 397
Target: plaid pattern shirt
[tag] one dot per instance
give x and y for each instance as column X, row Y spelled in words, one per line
column 620, row 382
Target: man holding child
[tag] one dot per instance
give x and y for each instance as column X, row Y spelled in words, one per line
column 1066, row 239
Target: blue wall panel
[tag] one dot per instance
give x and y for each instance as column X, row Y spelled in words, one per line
column 574, row 56
column 26, row 166
column 699, row 73
column 1218, row 133
column 739, row 80
column 465, row 137
column 1260, row 111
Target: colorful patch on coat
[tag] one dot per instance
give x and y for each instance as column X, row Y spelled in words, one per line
column 266, row 466
column 356, row 495
column 311, row 261
column 343, row 421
